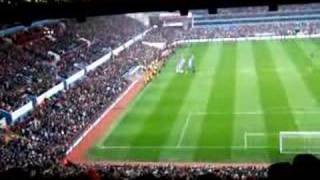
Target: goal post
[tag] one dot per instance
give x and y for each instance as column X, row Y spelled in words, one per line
column 295, row 142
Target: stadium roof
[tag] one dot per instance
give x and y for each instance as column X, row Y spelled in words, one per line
column 26, row 11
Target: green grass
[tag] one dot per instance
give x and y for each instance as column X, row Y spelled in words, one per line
column 239, row 88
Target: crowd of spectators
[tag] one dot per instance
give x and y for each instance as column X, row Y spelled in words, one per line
column 303, row 166
column 47, row 133
column 300, row 7
column 170, row 34
column 37, row 146
column 26, row 67
column 141, row 171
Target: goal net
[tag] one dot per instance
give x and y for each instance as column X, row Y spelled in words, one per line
column 295, row 142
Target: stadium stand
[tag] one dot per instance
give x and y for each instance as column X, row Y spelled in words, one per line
column 299, row 7
column 36, row 146
column 62, row 118
column 169, row 34
column 28, row 69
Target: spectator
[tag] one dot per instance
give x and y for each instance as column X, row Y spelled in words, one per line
column 36, row 146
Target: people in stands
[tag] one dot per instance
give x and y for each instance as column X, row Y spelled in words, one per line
column 26, row 68
column 35, row 147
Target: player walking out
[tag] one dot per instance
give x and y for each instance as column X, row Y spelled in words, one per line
column 180, row 65
column 191, row 66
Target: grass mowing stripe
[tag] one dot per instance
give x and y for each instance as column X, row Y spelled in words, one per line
column 269, row 82
column 304, row 65
column 221, row 99
column 248, row 111
column 294, row 84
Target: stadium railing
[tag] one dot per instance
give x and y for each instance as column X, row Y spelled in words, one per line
column 20, row 112
column 253, row 38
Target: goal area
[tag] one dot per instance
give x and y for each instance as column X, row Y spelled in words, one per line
column 295, row 142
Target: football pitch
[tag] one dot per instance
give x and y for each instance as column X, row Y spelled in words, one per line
column 232, row 109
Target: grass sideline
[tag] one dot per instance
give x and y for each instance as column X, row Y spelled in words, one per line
column 239, row 87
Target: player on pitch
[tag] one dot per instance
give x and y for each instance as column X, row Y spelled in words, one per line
column 191, row 65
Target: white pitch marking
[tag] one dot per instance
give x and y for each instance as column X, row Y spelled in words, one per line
column 258, row 112
column 183, row 147
column 184, row 130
